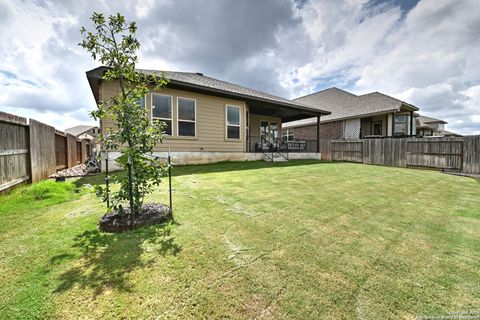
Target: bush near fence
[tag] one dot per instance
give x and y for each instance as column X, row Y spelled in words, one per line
column 31, row 151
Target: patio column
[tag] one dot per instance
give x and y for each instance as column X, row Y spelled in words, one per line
column 318, row 134
column 411, row 123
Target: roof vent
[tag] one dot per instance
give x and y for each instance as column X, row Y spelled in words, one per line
column 199, row 73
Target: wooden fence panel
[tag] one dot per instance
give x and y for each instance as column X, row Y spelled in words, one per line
column 326, row 149
column 78, row 148
column 349, row 150
column 14, row 146
column 71, row 150
column 374, row 151
column 443, row 153
column 456, row 154
column 61, row 159
column 395, row 152
column 42, row 150
column 84, row 151
column 471, row 154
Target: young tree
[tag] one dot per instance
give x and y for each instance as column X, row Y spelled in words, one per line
column 112, row 42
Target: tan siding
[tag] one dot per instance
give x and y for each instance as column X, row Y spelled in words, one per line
column 210, row 122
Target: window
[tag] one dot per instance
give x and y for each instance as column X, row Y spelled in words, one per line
column 287, row 135
column 141, row 102
column 186, row 117
column 377, row 128
column 162, row 111
column 400, row 127
column 233, row 122
column 264, row 129
column 274, row 131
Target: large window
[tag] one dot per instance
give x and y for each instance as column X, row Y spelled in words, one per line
column 233, row 122
column 274, row 131
column 264, row 129
column 377, row 128
column 162, row 111
column 401, row 125
column 287, row 135
column 186, row 117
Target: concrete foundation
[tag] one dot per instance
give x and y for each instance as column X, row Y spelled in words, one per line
column 182, row 158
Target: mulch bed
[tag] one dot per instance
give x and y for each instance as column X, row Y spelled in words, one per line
column 151, row 213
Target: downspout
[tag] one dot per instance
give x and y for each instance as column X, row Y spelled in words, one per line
column 318, row 134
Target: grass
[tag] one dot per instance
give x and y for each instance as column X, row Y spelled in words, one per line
column 303, row 239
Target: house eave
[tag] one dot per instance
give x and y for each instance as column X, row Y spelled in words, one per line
column 94, row 77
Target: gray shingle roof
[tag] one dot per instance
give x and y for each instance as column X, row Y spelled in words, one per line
column 200, row 80
column 78, row 130
column 424, row 120
column 344, row 105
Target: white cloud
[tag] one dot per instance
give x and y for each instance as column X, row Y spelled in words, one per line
column 428, row 56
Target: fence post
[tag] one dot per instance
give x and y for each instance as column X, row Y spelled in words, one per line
column 130, row 191
column 170, row 181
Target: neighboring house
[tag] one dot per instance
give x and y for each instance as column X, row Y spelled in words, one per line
column 88, row 133
column 427, row 126
column 352, row 117
column 84, row 132
column 208, row 119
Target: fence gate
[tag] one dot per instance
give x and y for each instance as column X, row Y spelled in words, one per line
column 435, row 153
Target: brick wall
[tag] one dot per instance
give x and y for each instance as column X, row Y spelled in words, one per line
column 329, row 130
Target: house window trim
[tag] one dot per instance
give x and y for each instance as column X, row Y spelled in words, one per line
column 145, row 102
column 233, row 125
column 162, row 119
column 194, row 121
column 407, row 123
column 380, row 122
column 288, row 131
column 260, row 128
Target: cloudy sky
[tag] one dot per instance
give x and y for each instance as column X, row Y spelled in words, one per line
column 424, row 52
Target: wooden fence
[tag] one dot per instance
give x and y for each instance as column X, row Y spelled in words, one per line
column 450, row 154
column 30, row 152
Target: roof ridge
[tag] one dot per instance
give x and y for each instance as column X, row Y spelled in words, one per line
column 331, row 88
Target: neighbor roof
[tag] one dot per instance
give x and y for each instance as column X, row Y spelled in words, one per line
column 198, row 81
column 424, row 120
column 78, row 130
column 345, row 105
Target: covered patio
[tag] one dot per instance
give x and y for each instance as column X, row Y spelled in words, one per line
column 264, row 127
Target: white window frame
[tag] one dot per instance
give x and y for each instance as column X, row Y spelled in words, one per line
column 287, row 134
column 195, row 121
column 233, row 125
column 162, row 119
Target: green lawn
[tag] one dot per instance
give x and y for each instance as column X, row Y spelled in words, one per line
column 303, row 239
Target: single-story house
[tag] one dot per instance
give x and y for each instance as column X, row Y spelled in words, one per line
column 86, row 132
column 352, row 117
column 212, row 120
column 432, row 127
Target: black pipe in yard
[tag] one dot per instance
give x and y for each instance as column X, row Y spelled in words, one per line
column 170, row 181
column 107, row 180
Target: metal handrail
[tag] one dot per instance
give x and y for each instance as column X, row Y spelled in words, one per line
column 282, row 146
column 270, row 148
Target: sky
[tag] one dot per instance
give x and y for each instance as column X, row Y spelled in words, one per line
column 426, row 52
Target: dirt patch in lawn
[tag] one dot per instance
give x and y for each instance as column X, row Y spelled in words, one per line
column 151, row 213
